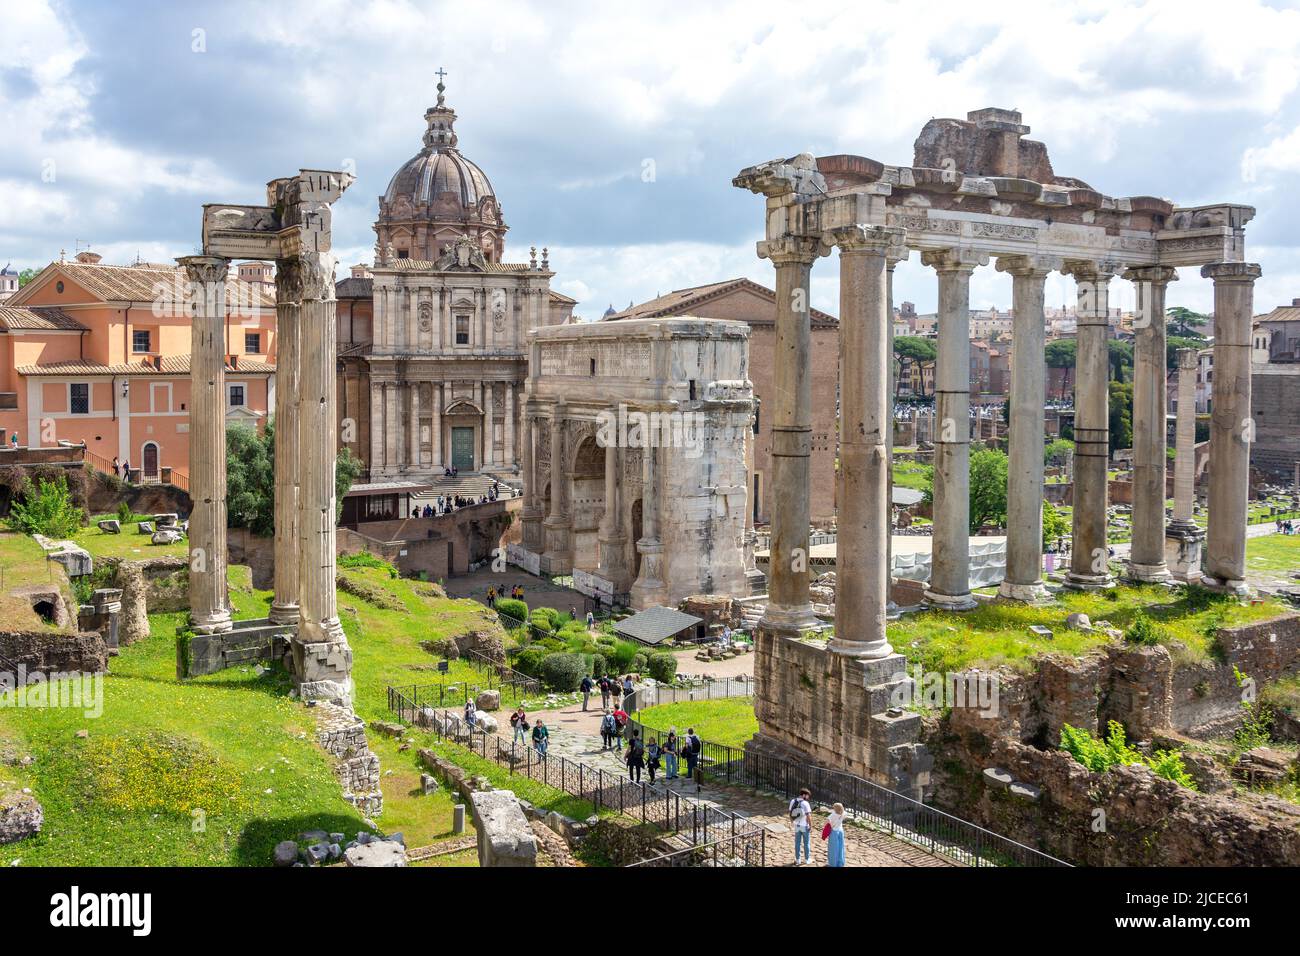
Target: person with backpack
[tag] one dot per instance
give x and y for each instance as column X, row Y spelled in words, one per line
column 604, row 692
column 607, row 728
column 541, row 738
column 652, row 759
column 801, row 820
column 519, row 721
column 629, row 690
column 620, row 722
column 585, row 687
column 635, row 757
column 691, row 748
column 615, row 691
column 469, row 713
column 670, row 749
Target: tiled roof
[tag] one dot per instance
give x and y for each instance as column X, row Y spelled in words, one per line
column 354, row 288
column 170, row 365
column 1283, row 313
column 138, row 283
column 655, row 624
column 39, row 318
column 682, row 301
column 561, row 297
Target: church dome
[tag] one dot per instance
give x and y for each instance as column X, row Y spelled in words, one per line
column 437, row 196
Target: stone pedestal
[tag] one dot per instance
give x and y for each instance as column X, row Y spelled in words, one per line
column 1025, row 443
column 209, row 600
column 1089, row 567
column 1147, row 555
column 1232, row 427
column 1183, row 552
column 949, row 587
column 288, row 295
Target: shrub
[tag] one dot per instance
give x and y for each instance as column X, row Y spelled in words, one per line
column 662, row 667
column 513, row 607
column 621, row 655
column 1143, row 631
column 124, row 514
column 364, row 559
column 563, row 671
column 598, row 664
column 529, row 660
column 544, row 617
column 639, row 662
column 1100, row 755
column 47, row 510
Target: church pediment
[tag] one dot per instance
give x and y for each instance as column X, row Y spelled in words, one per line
column 463, row 406
column 461, row 255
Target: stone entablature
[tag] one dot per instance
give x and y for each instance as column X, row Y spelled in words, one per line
column 636, row 441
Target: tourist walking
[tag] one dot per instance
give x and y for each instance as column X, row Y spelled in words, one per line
column 635, row 757
column 541, row 738
column 670, row 755
column 117, row 468
column 586, row 687
column 604, row 692
column 835, row 836
column 652, row 759
column 801, row 819
column 519, row 721
column 591, row 620
column 620, row 722
column 469, row 713
column 629, row 694
column 607, row 729
column 691, row 747
column 615, row 691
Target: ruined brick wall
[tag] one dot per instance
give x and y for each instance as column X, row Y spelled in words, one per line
column 47, row 652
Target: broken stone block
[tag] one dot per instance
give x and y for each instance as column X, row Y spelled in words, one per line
column 997, row 777
column 110, row 526
column 488, row 700
column 376, row 853
column 286, row 853
column 144, row 527
column 21, row 817
column 1025, row 791
column 1078, row 621
column 166, row 536
column 504, row 836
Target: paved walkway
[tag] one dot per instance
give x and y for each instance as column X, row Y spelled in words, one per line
column 865, row 847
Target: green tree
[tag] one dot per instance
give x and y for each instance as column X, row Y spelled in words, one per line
column 1061, row 354
column 1120, row 357
column 347, row 468
column 47, row 509
column 1173, row 344
column 26, row 276
column 988, row 488
column 1121, row 416
column 1058, row 451
column 250, row 479
column 1184, row 323
column 917, row 350
column 1055, row 524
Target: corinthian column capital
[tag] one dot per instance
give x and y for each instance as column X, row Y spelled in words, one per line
column 1093, row 270
column 205, row 269
column 1035, row 267
column 316, row 272
column 1231, row 271
column 1154, row 275
column 877, row 240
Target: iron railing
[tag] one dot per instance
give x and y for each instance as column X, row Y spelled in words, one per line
column 887, row 810
column 696, row 823
column 519, row 683
column 647, row 696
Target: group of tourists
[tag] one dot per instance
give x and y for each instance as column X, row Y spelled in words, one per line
column 648, row 757
column 832, row 830
column 516, row 592
column 612, row 691
column 120, row 469
column 1285, row 527
column 541, row 737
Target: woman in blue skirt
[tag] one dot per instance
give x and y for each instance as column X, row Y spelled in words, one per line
column 835, row 841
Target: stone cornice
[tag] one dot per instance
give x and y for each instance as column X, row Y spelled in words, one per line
column 1161, row 275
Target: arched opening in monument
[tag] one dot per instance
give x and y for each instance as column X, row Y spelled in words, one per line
column 587, row 503
column 46, row 611
column 635, row 537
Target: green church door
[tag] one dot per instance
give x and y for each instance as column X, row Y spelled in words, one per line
column 462, row 448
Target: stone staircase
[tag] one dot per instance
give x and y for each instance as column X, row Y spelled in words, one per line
column 471, row 486
column 751, row 612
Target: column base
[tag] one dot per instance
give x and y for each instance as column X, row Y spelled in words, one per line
column 1183, row 541
column 1147, row 573
column 1035, row 593
column 1088, row 582
column 861, row 650
column 323, row 670
column 1232, row 586
column 286, row 614
column 218, row 623
column 790, row 621
column 949, row 602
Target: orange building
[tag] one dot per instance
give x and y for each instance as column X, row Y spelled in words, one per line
column 99, row 354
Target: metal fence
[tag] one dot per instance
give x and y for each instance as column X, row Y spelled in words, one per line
column 653, row 696
column 897, row 814
column 500, row 675
column 693, row 821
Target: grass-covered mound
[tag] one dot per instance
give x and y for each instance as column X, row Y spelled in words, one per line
column 729, row 720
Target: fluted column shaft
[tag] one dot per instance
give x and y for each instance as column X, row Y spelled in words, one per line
column 1185, row 441
column 208, row 596
column 866, row 418
column 1232, row 428
column 1089, row 549
column 1147, row 554
column 789, row 606
column 610, row 535
column 950, row 561
column 288, row 296
column 1025, row 440
column 413, row 449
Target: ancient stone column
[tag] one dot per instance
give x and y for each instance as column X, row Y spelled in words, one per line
column 209, row 599
column 789, row 607
column 1147, row 554
column 532, row 512
column 557, row 523
column 1089, row 550
column 893, row 257
column 288, row 299
column 1183, row 536
column 866, row 419
column 413, row 450
column 949, row 586
column 322, row 658
column 1232, row 428
column 509, row 459
column 649, row 588
column 1024, row 580
column 610, row 535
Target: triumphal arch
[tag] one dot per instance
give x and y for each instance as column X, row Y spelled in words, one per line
column 977, row 191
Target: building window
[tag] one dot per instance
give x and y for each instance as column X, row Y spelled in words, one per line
column 236, row 396
column 403, row 254
column 252, row 342
column 757, row 411
column 140, row 340
column 462, row 330
column 79, row 398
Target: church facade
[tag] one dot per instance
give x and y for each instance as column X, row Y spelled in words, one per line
column 432, row 338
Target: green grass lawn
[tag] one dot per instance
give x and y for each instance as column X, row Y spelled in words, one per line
column 998, row 634
column 1275, row 552
column 728, row 721
column 23, row 562
column 130, row 544
column 911, row 474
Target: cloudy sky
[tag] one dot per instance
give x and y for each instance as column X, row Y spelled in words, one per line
column 121, row 119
